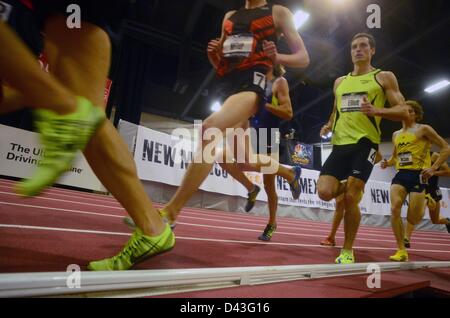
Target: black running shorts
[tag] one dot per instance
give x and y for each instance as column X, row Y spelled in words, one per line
column 410, row 180
column 251, row 80
column 355, row 160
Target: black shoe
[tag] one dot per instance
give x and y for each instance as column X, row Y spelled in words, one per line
column 268, row 232
column 448, row 225
column 407, row 243
column 295, row 185
column 251, row 198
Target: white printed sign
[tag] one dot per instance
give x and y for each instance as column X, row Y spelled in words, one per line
column 162, row 158
column 20, row 152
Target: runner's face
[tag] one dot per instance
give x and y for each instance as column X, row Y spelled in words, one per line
column 361, row 50
column 411, row 114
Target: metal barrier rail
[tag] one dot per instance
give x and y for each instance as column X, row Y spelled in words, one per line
column 139, row 283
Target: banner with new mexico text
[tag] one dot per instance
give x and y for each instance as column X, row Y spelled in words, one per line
column 162, row 158
column 20, row 153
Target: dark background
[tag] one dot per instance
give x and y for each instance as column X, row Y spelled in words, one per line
column 160, row 64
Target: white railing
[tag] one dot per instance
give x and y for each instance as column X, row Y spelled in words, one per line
column 138, row 283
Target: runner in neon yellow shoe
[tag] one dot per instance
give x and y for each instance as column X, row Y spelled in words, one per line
column 399, row 256
column 346, row 257
column 61, row 136
column 355, row 124
column 137, row 249
column 412, row 159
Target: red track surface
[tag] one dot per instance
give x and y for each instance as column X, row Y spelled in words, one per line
column 64, row 227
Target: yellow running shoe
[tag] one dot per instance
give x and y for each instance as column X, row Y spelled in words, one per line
column 400, row 256
column 346, row 257
column 137, row 249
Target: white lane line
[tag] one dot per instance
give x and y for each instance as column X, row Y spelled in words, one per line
column 215, row 226
column 60, row 229
column 29, row 227
column 324, row 230
column 62, row 210
column 305, row 245
column 72, row 195
column 59, row 190
column 292, row 220
column 68, row 201
column 324, row 226
column 368, row 230
column 300, row 234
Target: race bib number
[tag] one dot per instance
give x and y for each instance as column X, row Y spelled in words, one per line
column 5, row 11
column 405, row 159
column 239, row 45
column 352, row 102
column 372, row 156
column 259, row 79
column 438, row 192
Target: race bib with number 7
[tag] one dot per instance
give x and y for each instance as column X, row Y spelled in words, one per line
column 259, row 79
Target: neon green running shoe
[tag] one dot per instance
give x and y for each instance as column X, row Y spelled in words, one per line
column 346, row 257
column 138, row 248
column 62, row 136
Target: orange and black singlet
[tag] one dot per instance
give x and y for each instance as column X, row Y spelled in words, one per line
column 245, row 32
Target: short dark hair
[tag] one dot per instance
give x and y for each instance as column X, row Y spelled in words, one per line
column 372, row 42
column 418, row 109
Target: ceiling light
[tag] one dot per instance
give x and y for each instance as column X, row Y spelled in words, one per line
column 437, row 86
column 300, row 17
column 216, row 106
